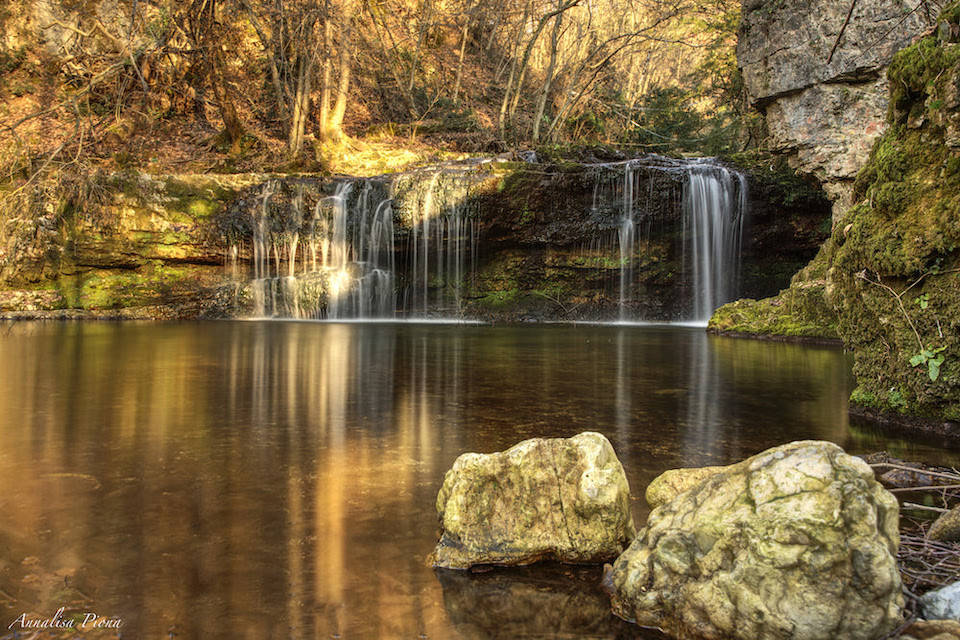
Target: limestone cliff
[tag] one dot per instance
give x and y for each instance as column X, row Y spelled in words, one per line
column 817, row 73
column 886, row 281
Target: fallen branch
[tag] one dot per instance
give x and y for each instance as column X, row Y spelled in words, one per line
column 912, row 505
column 948, row 476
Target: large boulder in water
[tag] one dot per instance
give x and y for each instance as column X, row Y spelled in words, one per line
column 561, row 499
column 797, row 542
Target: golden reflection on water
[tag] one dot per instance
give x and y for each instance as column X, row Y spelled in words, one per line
column 277, row 480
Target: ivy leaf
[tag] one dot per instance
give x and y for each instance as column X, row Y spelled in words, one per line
column 933, row 367
column 918, row 359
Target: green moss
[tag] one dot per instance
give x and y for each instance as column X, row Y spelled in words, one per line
column 899, row 243
column 785, row 315
column 803, row 310
column 498, row 300
column 115, row 289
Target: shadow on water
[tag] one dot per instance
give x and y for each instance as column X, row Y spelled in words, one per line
column 273, row 480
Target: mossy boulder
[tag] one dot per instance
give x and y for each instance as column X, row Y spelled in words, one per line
column 947, row 527
column 896, row 269
column 797, row 542
column 559, row 499
column 802, row 311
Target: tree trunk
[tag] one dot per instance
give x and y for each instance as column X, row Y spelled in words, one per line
column 325, row 78
column 463, row 50
column 525, row 61
column 421, row 33
column 343, row 87
column 502, row 118
column 548, row 80
column 301, row 104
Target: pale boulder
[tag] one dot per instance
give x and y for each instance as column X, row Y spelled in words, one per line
column 558, row 499
column 798, row 542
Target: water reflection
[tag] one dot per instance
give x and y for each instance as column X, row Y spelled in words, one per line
column 276, row 480
column 549, row 601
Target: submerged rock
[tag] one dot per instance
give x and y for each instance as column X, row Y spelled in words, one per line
column 797, row 542
column 943, row 603
column 562, row 499
column 947, row 527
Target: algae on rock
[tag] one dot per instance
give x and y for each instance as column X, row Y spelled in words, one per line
column 797, row 542
column 560, row 499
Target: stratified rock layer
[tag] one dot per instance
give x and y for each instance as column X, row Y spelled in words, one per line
column 562, row 499
column 797, row 542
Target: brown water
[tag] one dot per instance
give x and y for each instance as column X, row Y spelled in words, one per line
column 277, row 480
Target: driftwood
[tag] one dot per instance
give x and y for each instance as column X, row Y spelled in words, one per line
column 925, row 493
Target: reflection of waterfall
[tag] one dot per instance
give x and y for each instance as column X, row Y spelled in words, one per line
column 714, row 206
column 705, row 407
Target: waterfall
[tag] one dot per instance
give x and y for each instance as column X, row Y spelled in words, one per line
column 341, row 261
column 714, row 207
column 442, row 238
column 662, row 241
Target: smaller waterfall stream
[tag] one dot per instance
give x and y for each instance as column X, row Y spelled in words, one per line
column 714, row 207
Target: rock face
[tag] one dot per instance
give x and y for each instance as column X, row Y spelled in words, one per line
column 899, row 235
column 671, row 483
column 561, row 499
column 797, row 542
column 942, row 604
column 818, row 75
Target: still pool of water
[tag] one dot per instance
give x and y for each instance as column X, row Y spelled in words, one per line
column 277, row 479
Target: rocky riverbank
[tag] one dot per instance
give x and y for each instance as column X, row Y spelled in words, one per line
column 801, row 541
column 885, row 282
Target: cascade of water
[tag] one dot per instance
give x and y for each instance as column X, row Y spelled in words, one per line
column 627, row 238
column 714, row 204
column 362, row 281
column 714, row 207
column 442, row 237
column 341, row 262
